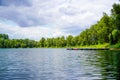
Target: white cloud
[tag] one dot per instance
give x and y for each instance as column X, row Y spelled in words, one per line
column 17, row 32
column 46, row 18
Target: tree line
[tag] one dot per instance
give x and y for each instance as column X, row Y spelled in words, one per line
column 106, row 30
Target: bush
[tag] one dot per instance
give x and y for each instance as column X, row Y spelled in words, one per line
column 117, row 45
column 114, row 36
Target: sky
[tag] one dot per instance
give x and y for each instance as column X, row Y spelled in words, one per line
column 34, row 19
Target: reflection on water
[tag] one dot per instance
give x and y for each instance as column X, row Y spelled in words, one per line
column 109, row 63
column 59, row 64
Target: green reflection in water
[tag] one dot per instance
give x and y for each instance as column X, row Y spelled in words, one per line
column 109, row 64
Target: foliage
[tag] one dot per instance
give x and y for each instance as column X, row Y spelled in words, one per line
column 117, row 45
column 105, row 45
column 115, row 34
column 116, row 15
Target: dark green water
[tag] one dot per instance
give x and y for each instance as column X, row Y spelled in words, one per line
column 59, row 64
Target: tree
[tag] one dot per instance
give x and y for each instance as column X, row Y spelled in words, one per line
column 115, row 34
column 63, row 41
column 69, row 40
column 116, row 15
column 42, row 42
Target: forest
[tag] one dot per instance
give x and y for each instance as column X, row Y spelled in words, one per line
column 106, row 30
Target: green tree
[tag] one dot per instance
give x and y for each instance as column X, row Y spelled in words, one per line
column 115, row 34
column 42, row 42
column 69, row 40
column 63, row 41
column 116, row 15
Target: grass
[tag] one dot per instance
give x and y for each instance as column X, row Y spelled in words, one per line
column 117, row 45
column 105, row 45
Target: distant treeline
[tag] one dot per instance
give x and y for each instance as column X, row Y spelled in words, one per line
column 106, row 30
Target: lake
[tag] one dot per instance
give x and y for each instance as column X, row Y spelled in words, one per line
column 59, row 64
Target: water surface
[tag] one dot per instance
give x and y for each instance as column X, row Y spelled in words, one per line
column 59, row 64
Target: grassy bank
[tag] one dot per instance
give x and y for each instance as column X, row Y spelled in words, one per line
column 115, row 45
column 106, row 45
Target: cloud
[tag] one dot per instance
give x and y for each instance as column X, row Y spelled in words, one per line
column 71, row 11
column 28, row 13
column 20, row 16
column 60, row 16
column 32, row 33
column 15, row 2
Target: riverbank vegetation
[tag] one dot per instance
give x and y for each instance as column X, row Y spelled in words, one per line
column 105, row 33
